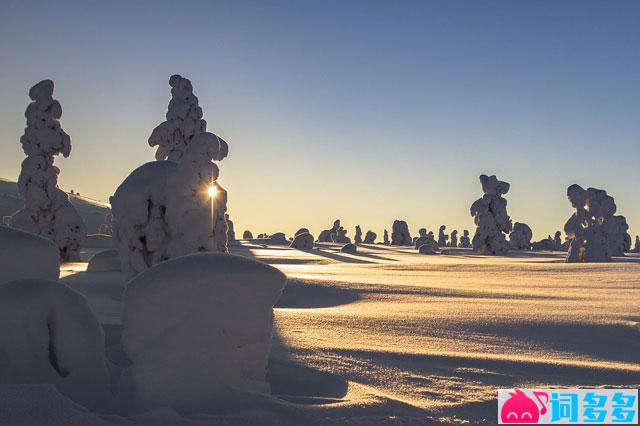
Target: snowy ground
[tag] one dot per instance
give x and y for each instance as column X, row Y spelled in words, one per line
column 426, row 339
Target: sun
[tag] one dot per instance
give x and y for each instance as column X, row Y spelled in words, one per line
column 212, row 191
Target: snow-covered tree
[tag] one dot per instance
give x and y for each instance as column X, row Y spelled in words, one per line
column 47, row 210
column 173, row 207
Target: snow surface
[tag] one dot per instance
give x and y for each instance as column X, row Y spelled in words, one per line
column 389, row 336
column 197, row 330
column 99, row 241
column 104, row 261
column 25, row 255
column 50, row 335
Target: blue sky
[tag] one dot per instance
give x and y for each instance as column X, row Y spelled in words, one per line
column 364, row 111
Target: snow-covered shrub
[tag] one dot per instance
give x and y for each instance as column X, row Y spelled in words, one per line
column 400, row 234
column 247, row 235
column 490, row 216
column 49, row 335
column 25, row 255
column 303, row 241
column 104, row 261
column 349, row 248
column 47, row 210
column 370, row 237
column 325, row 236
column 163, row 209
column 520, row 237
column 197, row 328
column 340, row 236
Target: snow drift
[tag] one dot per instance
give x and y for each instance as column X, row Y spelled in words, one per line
column 104, row 261
column 25, row 255
column 197, row 329
column 50, row 335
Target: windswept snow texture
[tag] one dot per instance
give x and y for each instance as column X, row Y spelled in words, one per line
column 25, row 255
column 490, row 216
column 47, row 210
column 198, row 330
column 50, row 335
column 389, row 336
column 163, row 209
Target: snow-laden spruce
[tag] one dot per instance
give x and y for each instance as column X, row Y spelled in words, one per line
column 165, row 209
column 520, row 237
column 47, row 210
column 197, row 330
column 357, row 238
column 490, row 216
column 25, row 255
column 184, row 121
column 50, row 335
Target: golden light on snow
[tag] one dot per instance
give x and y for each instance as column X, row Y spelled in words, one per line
column 212, row 191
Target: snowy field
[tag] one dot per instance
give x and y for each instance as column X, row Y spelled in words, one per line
column 387, row 336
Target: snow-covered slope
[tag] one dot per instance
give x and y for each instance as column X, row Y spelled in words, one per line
column 92, row 211
column 387, row 336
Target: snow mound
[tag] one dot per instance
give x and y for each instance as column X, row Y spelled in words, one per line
column 25, row 255
column 303, row 241
column 349, row 248
column 247, row 235
column 50, row 335
column 427, row 249
column 99, row 241
column 197, row 329
column 520, row 237
column 105, row 261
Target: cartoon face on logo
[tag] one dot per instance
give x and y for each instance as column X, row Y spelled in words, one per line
column 519, row 408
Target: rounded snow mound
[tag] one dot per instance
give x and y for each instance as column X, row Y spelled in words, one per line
column 50, row 336
column 197, row 329
column 303, row 241
column 105, row 261
column 349, row 248
column 25, row 255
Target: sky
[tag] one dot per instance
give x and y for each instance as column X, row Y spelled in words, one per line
column 367, row 111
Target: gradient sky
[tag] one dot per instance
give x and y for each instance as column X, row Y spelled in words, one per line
column 365, row 111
